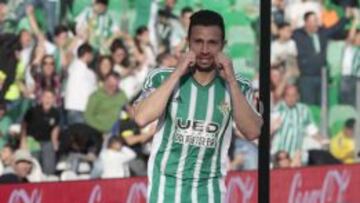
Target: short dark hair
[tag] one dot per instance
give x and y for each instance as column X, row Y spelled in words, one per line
column 84, row 49
column 283, row 25
column 308, row 14
column 112, row 74
column 10, row 146
column 141, row 29
column 105, row 2
column 50, row 90
column 119, row 44
column 207, row 18
column 186, row 9
column 350, row 123
column 113, row 140
column 60, row 29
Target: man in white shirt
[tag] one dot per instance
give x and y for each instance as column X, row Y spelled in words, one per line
column 80, row 84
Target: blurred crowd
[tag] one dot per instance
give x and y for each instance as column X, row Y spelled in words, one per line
column 69, row 78
column 68, row 83
column 315, row 63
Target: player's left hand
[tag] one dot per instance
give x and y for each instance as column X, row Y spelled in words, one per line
column 225, row 67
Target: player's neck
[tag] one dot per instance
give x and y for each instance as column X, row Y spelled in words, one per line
column 204, row 78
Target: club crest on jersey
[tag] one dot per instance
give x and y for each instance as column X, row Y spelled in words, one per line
column 224, row 107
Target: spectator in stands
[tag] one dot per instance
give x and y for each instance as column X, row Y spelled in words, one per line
column 120, row 56
column 62, row 49
column 115, row 159
column 2, row 81
column 80, row 143
column 282, row 159
column 81, row 83
column 313, row 141
column 311, row 41
column 6, row 158
column 104, row 68
column 5, row 123
column 144, row 53
column 295, row 117
column 277, row 12
column 350, row 65
column 166, row 60
column 279, row 79
column 10, row 48
column 342, row 146
column 21, row 168
column 2, row 16
column 105, row 104
column 15, row 83
column 245, row 155
column 98, row 23
column 163, row 28
column 179, row 33
column 294, row 12
column 144, row 60
column 134, row 137
column 283, row 48
column 42, row 123
column 45, row 77
column 62, row 46
column 168, row 8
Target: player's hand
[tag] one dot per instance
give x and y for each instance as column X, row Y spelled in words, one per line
column 186, row 61
column 225, row 67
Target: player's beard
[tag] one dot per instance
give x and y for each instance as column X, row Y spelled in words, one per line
column 205, row 67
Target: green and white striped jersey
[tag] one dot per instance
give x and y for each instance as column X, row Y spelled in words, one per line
column 290, row 135
column 189, row 152
column 99, row 27
column 355, row 70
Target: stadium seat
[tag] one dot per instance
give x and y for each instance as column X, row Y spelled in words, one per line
column 334, row 57
column 216, row 5
column 338, row 114
column 79, row 6
column 316, row 113
column 142, row 10
column 68, row 176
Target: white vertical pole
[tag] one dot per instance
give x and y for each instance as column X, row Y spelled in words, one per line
column 357, row 123
column 324, row 103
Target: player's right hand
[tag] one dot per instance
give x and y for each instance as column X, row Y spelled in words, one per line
column 186, row 61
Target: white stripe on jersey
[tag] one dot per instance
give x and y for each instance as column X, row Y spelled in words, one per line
column 167, row 150
column 199, row 160
column 214, row 159
column 185, row 147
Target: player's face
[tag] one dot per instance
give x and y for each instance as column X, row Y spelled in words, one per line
column 205, row 42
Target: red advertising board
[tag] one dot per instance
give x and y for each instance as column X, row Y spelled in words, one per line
column 330, row 184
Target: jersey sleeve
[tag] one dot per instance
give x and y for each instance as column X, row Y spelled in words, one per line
column 153, row 80
column 248, row 91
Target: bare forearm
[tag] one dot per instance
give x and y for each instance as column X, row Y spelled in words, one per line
column 153, row 107
column 55, row 134
column 248, row 122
